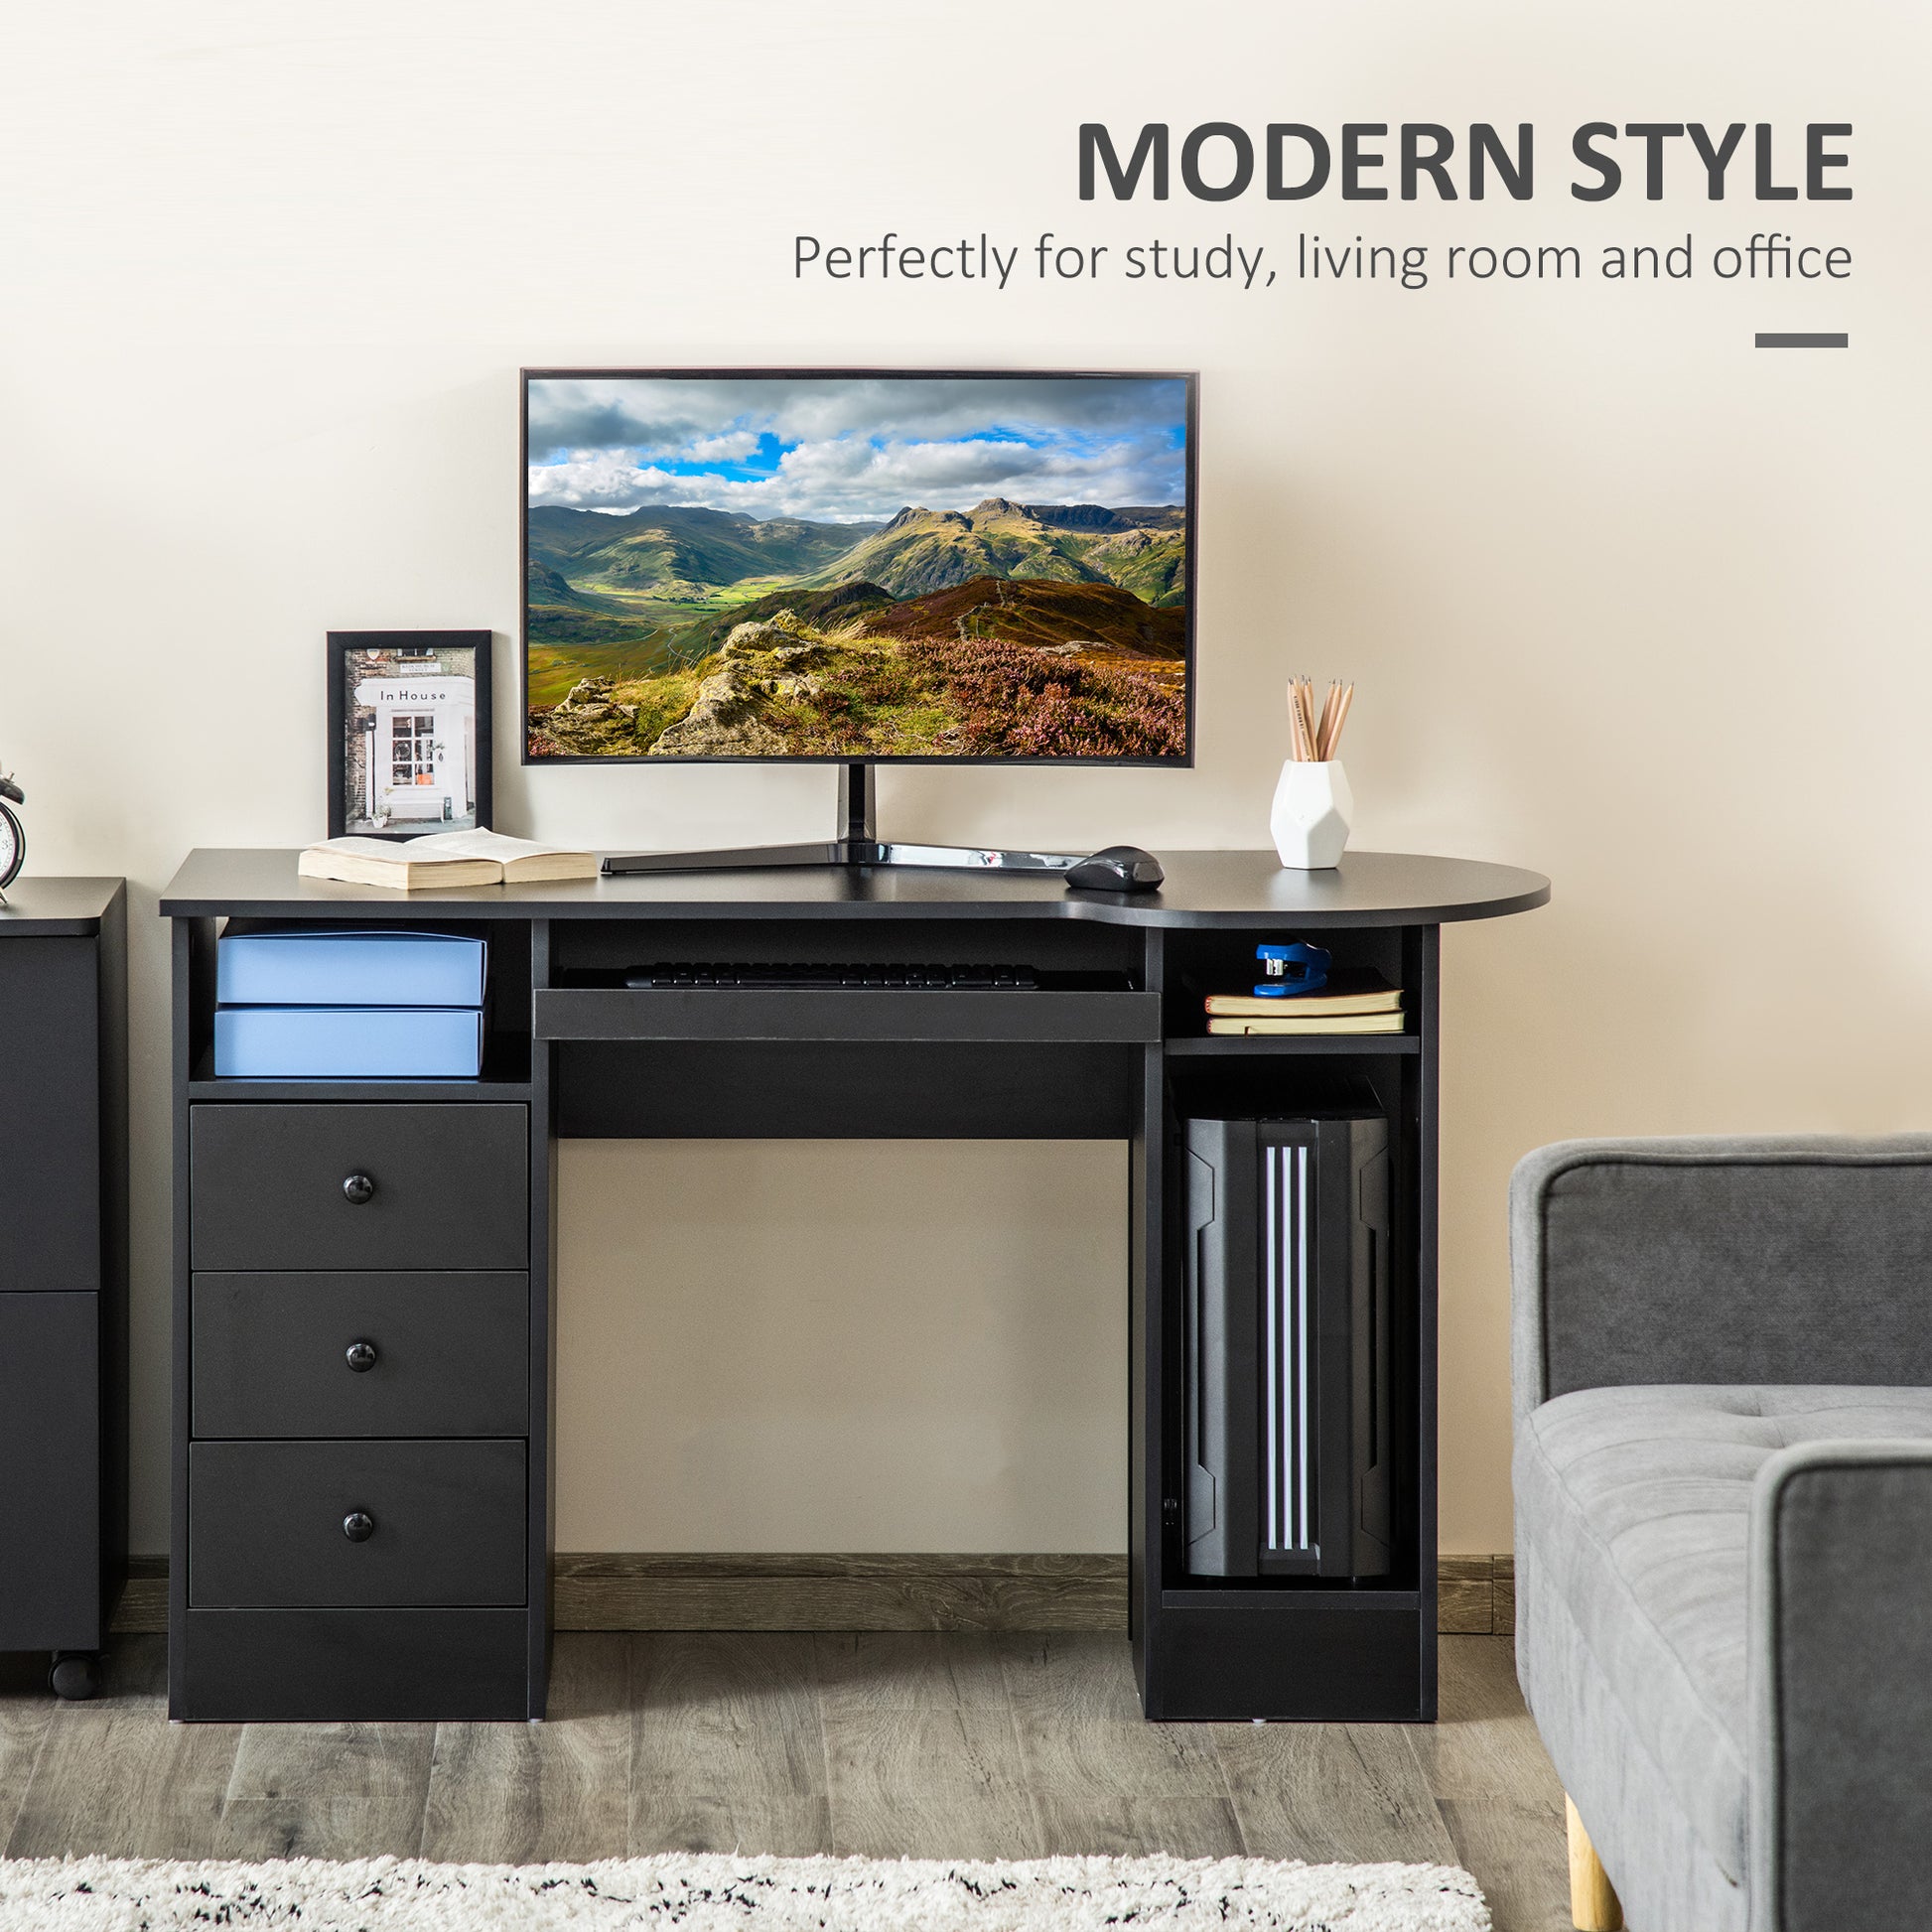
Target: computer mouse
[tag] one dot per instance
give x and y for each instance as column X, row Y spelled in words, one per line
column 1117, row 869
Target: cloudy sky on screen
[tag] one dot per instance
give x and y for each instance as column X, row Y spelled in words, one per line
column 852, row 448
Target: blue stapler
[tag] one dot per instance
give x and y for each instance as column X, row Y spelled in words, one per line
column 1291, row 969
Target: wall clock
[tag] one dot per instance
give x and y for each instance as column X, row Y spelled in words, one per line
column 13, row 837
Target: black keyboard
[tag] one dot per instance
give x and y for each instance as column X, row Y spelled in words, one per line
column 667, row 974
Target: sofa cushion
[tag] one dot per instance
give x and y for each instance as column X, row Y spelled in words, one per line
column 1636, row 1503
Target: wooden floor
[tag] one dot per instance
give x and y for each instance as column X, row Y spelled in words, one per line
column 894, row 1745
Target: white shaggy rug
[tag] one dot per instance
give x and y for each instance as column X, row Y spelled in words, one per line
column 702, row 1894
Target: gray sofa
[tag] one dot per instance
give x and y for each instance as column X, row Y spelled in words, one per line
column 1722, row 1368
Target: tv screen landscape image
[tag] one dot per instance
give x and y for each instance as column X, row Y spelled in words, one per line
column 858, row 566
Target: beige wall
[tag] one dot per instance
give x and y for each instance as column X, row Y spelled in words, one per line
column 1626, row 600
column 758, row 1353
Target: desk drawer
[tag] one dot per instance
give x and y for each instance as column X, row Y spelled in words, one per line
column 440, row 1522
column 434, row 1354
column 448, row 1187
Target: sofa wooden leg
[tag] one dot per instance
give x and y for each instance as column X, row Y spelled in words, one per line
column 1593, row 1903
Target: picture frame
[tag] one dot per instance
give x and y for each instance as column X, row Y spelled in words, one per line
column 409, row 732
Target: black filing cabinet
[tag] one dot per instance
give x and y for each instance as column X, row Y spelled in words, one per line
column 62, row 1269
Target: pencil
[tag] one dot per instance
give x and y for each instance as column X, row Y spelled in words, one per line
column 1342, row 718
column 1297, row 744
column 1324, row 732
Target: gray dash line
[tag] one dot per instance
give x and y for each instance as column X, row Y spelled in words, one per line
column 1801, row 340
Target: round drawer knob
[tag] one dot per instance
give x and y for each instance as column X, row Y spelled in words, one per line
column 358, row 1189
column 360, row 1357
column 359, row 1526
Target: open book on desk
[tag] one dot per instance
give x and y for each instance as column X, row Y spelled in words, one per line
column 446, row 859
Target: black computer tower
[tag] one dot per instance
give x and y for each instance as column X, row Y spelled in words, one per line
column 1288, row 1415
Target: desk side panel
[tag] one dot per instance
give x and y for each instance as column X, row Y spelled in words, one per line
column 111, row 993
column 540, row 1621
column 192, row 955
column 1148, row 1234
column 1427, row 943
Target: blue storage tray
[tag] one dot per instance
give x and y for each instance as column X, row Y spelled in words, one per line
column 331, row 968
column 348, row 1043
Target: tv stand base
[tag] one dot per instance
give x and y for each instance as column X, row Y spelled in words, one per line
column 848, row 852
column 860, row 847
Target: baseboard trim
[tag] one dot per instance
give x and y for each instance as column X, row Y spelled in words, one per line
column 143, row 1608
column 646, row 1591
column 841, row 1593
column 1475, row 1597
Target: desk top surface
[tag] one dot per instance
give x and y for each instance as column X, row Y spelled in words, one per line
column 53, row 907
column 1202, row 889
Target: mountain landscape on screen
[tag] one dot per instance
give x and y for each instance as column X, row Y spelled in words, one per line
column 832, row 566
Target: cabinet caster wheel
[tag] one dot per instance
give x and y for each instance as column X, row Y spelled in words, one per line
column 75, row 1676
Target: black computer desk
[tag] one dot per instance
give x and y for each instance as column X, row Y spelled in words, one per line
column 374, row 1542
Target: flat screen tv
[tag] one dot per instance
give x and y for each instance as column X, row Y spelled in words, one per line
column 858, row 566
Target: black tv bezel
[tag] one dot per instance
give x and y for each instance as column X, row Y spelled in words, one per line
column 1191, row 378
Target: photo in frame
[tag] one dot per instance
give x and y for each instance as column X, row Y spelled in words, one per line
column 409, row 732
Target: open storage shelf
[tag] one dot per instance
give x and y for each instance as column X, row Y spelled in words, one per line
column 507, row 1063
column 1223, row 960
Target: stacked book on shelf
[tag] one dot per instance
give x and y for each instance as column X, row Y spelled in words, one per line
column 1348, row 1001
column 329, row 1005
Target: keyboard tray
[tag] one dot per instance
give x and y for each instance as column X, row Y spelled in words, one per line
column 1044, row 1014
column 834, row 976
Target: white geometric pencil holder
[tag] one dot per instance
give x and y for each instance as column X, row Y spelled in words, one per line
column 1311, row 815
